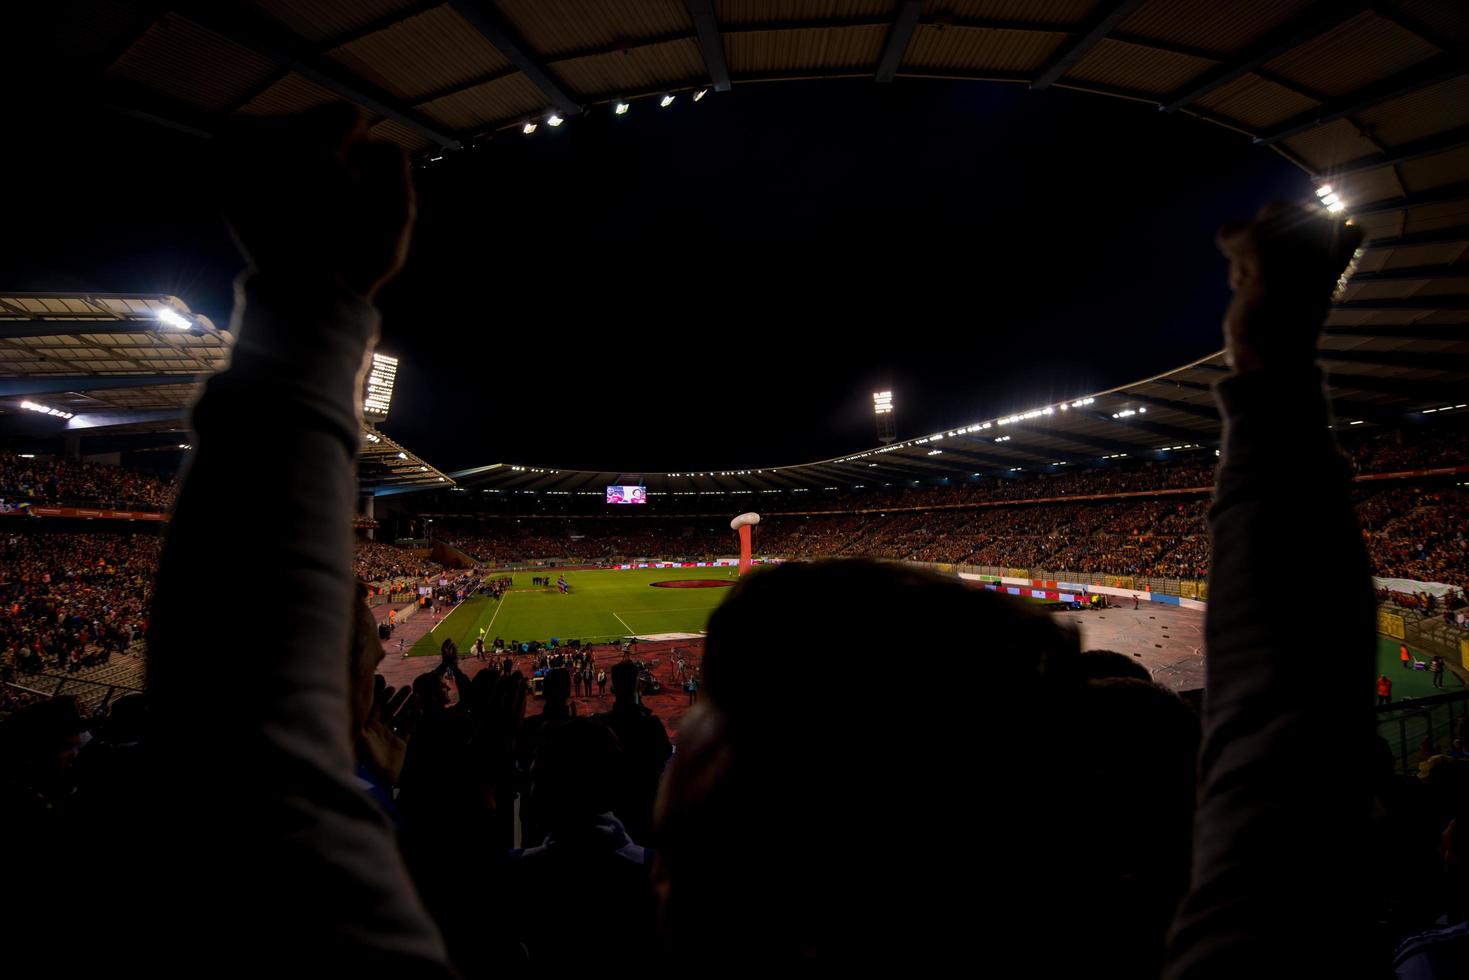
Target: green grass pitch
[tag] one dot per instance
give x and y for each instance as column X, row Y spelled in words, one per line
column 603, row 605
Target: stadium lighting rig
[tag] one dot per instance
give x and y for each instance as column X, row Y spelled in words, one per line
column 882, row 410
column 380, row 380
column 1330, row 199
column 170, row 317
column 46, row 410
column 666, row 101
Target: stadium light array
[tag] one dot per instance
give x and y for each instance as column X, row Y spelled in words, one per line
column 528, row 128
column 666, row 101
column 402, row 455
column 554, row 120
column 46, row 410
column 621, row 108
column 935, row 452
column 882, row 402
column 381, row 377
column 1330, row 199
column 700, row 94
column 170, row 317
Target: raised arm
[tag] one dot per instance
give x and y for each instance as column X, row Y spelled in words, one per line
column 1284, row 766
column 270, row 834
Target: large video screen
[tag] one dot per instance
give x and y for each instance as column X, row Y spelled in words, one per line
column 627, row 495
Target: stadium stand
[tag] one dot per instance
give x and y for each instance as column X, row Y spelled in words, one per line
column 63, row 481
column 376, row 562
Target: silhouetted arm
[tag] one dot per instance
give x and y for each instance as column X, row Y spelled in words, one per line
column 1288, row 724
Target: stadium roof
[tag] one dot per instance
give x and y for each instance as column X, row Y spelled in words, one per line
column 1370, row 97
column 114, row 364
column 1376, row 379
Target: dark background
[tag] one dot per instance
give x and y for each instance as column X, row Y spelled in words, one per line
column 724, row 284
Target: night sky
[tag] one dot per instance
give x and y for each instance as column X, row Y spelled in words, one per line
column 724, row 284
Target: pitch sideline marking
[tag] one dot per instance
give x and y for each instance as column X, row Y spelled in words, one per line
column 498, row 606
column 445, row 618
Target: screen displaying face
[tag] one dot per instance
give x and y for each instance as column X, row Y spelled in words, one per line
column 627, row 495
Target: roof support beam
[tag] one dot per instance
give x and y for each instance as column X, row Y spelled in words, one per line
column 1447, row 194
column 495, row 29
column 1037, row 453
column 1436, row 69
column 1172, row 432
column 1208, row 412
column 61, row 328
column 1425, row 360
column 1042, row 454
column 1107, row 445
column 795, row 474
column 1346, row 408
column 990, row 459
column 1451, row 139
column 1414, row 331
column 1091, row 34
column 711, row 43
column 386, row 22
column 106, row 420
column 1429, row 390
column 1310, row 24
column 1413, row 273
column 1407, row 303
column 288, row 51
column 898, row 37
column 1438, row 236
column 52, row 384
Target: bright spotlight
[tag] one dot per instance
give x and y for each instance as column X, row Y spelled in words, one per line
column 666, row 101
column 172, row 318
column 1323, row 190
column 553, row 120
column 528, row 128
column 700, row 94
column 621, row 108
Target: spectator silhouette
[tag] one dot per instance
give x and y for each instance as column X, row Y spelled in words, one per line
column 645, row 750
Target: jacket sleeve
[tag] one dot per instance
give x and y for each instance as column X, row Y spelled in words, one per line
column 1288, row 725
column 249, row 649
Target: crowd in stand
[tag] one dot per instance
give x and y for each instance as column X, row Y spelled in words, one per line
column 65, row 481
column 1412, row 532
column 1408, row 450
column 376, row 561
column 1419, row 533
column 71, row 600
